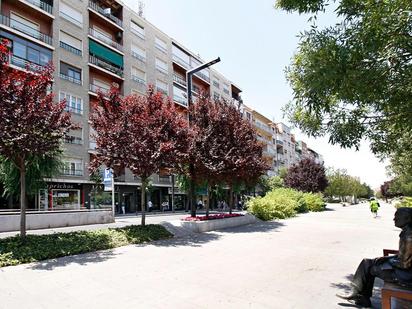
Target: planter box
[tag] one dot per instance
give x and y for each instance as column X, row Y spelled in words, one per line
column 43, row 220
column 211, row 225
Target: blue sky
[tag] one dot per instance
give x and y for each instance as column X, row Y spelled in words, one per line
column 255, row 42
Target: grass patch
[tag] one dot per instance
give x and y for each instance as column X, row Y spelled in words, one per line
column 42, row 247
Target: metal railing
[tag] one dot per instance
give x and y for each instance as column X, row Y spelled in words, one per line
column 179, row 79
column 70, row 172
column 105, row 65
column 71, row 19
column 139, row 80
column 70, row 79
column 105, row 39
column 42, row 5
column 74, row 110
column 138, row 57
column 70, row 48
column 94, row 6
column 34, row 33
column 180, row 61
column 94, row 88
column 68, row 139
column 24, row 63
column 179, row 100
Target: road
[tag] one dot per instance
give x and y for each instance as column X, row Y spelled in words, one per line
column 295, row 263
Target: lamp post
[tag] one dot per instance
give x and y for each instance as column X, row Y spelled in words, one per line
column 189, row 75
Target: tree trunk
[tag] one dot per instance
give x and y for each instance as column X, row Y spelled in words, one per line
column 143, row 200
column 230, row 198
column 208, row 200
column 22, row 200
column 192, row 194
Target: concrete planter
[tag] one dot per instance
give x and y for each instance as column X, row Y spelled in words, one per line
column 43, row 220
column 206, row 226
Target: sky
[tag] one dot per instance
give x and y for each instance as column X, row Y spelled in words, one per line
column 255, row 43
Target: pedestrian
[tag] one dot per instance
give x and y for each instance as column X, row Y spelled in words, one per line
column 225, row 206
column 165, row 206
column 199, row 204
column 374, row 206
column 149, row 205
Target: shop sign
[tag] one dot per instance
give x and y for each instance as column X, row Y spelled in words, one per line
column 177, row 191
column 65, row 194
column 107, row 179
column 63, row 186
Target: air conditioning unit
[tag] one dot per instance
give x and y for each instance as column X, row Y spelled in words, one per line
column 107, row 11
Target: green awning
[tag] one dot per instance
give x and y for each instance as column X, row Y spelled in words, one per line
column 105, row 53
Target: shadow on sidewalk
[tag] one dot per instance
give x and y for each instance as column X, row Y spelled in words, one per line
column 80, row 259
column 192, row 240
column 258, row 227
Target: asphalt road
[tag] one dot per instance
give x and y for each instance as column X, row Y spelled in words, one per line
column 296, row 263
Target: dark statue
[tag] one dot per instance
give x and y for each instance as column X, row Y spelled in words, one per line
column 395, row 269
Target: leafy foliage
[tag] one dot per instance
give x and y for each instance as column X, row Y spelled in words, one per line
column 341, row 184
column 307, row 176
column 270, row 183
column 353, row 80
column 41, row 247
column 406, row 202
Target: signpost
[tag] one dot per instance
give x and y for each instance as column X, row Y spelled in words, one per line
column 108, row 181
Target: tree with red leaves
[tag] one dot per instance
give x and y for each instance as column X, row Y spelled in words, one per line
column 31, row 123
column 307, row 176
column 224, row 147
column 141, row 133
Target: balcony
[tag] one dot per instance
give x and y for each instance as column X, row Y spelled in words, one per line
column 95, row 7
column 68, row 139
column 72, row 172
column 96, row 89
column 180, row 61
column 24, row 64
column 180, row 80
column 70, row 48
column 70, row 79
column 34, row 33
column 41, row 5
column 203, row 76
column 180, row 100
column 105, row 65
column 95, row 34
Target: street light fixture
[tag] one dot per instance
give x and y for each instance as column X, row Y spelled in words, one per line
column 189, row 75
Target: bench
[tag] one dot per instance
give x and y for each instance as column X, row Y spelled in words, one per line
column 390, row 290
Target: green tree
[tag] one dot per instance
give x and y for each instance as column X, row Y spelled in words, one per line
column 353, row 80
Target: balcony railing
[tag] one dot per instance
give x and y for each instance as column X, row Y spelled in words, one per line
column 180, row 61
column 70, row 79
column 139, row 80
column 68, row 139
column 203, row 76
column 24, row 63
column 138, row 56
column 95, row 89
column 74, row 110
column 71, row 172
column 180, row 100
column 42, row 5
column 94, row 6
column 34, row 33
column 105, row 39
column 70, row 48
column 105, row 65
column 179, row 79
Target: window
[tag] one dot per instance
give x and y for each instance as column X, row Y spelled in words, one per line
column 72, row 15
column 138, row 76
column 71, row 43
column 161, row 66
column 180, row 56
column 216, row 84
column 73, row 104
column 216, row 96
column 33, row 55
column 73, row 73
column 31, row 52
column 162, row 86
column 19, row 50
column 161, row 45
column 226, row 88
column 101, row 34
column 137, row 29
column 179, row 95
column 138, row 53
column 73, row 167
column 70, row 73
column 24, row 25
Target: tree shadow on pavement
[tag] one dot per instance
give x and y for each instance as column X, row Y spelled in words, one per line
column 345, row 288
column 192, row 240
column 258, row 227
column 80, row 259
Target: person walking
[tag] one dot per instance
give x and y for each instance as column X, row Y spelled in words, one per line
column 374, row 206
column 149, row 205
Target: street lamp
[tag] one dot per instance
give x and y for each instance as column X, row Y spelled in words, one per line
column 189, row 75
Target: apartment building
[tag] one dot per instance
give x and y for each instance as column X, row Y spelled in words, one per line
column 93, row 45
column 280, row 147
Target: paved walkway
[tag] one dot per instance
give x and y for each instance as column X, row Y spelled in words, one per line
column 296, row 263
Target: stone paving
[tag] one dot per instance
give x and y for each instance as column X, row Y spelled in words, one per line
column 296, row 263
